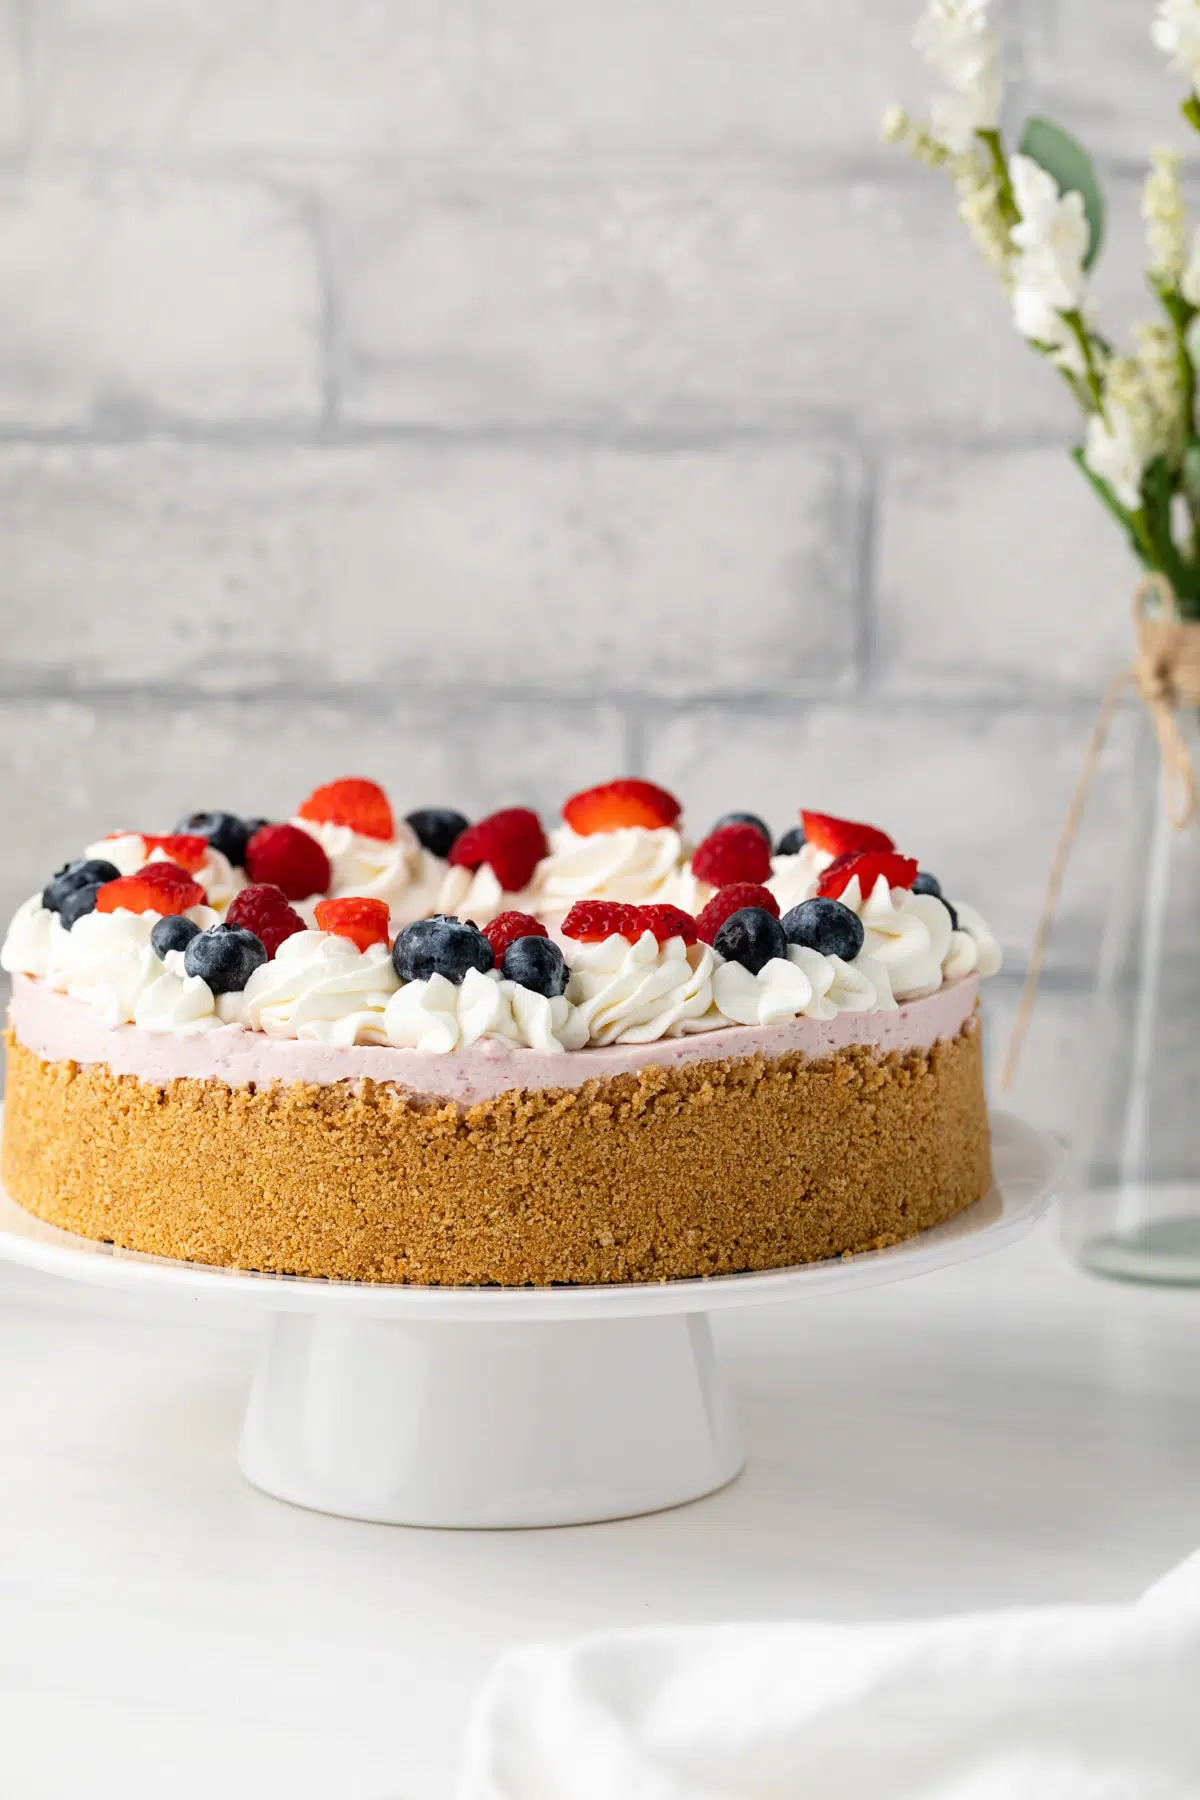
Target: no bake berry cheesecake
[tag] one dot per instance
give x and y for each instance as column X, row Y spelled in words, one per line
column 428, row 1049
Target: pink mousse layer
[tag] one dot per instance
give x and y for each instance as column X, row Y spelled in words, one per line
column 60, row 1029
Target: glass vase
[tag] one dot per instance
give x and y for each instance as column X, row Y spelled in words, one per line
column 1133, row 1207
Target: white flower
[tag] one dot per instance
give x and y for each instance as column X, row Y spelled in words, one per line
column 1162, row 210
column 956, row 40
column 979, row 208
column 1176, row 32
column 1051, row 239
column 1189, row 281
column 1130, row 432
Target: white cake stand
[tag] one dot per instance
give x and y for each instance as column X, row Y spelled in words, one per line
column 512, row 1406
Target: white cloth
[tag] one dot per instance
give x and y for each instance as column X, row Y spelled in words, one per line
column 1063, row 1703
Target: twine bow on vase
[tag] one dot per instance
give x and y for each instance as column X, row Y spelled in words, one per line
column 1166, row 674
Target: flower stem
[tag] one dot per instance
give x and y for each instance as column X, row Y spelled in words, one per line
column 1079, row 331
column 994, row 144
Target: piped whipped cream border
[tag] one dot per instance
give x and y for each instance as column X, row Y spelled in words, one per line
column 59, row 1028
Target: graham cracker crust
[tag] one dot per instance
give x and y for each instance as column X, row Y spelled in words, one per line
column 708, row 1169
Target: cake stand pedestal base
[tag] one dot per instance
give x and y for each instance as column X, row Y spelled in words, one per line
column 498, row 1406
column 413, row 1423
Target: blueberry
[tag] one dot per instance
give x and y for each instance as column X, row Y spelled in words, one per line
column 792, row 842
column 441, row 946
column 826, row 926
column 86, row 872
column 744, row 819
column 226, row 956
column 534, row 962
column 79, row 901
column 929, row 884
column 172, row 933
column 224, row 831
column 751, row 937
column 437, row 827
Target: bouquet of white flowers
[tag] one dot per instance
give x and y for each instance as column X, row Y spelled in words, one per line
column 1037, row 215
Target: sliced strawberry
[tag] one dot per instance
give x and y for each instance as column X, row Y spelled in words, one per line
column 666, row 922
column 591, row 921
column 263, row 909
column 160, row 888
column 841, row 837
column 363, row 921
column 732, row 853
column 511, row 841
column 182, row 847
column 618, row 804
column 507, row 927
column 287, row 857
column 359, row 804
column 869, row 865
column 729, row 900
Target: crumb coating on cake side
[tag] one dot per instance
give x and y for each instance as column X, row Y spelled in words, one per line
column 705, row 1169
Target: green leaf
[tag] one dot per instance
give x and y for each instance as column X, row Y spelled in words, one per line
column 1062, row 156
column 1191, row 111
column 1191, row 476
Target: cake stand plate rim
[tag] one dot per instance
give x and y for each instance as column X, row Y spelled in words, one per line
column 1029, row 1164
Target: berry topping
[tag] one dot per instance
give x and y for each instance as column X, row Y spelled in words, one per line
column 898, row 871
column 591, row 921
column 536, row 963
column 438, row 828
column 732, row 853
column 224, row 831
column 929, row 884
column 841, row 837
column 665, row 922
column 619, row 804
column 826, row 926
column 288, row 858
column 88, row 871
column 441, row 946
column 507, row 927
column 172, row 933
column 792, row 842
column 225, row 956
column 79, row 901
column 159, row 887
column 751, row 937
column 186, row 849
column 736, row 818
column 364, row 922
column 263, row 909
column 729, row 900
column 360, row 805
column 512, row 841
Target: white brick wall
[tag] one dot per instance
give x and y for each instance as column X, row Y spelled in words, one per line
column 495, row 394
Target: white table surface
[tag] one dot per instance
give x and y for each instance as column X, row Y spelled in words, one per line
column 1005, row 1432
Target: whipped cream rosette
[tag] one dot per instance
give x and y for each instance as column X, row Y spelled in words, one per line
column 804, row 984
column 322, row 986
column 440, row 1016
column 633, row 865
column 636, row 993
column 105, row 960
column 389, row 869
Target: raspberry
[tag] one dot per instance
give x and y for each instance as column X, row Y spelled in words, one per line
column 868, row 865
column 160, row 887
column 732, row 853
column 729, row 900
column 512, row 841
column 618, row 804
column 288, row 858
column 507, row 927
column 187, row 849
column 842, row 837
column 666, row 922
column 263, row 909
column 364, row 922
column 591, row 921
column 360, row 805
